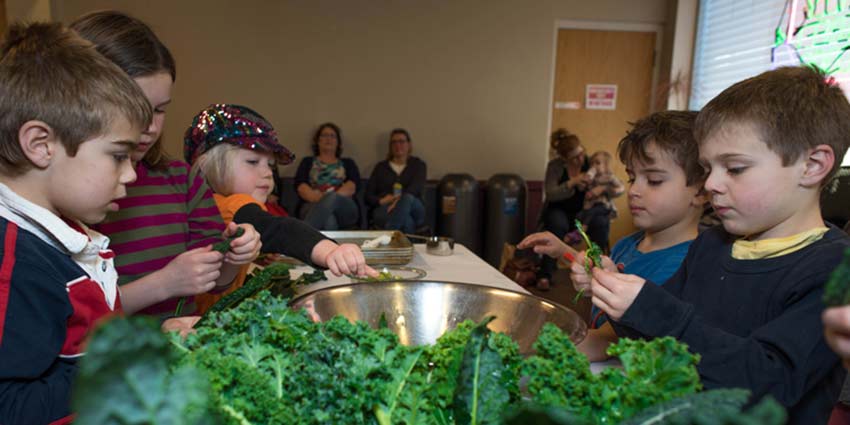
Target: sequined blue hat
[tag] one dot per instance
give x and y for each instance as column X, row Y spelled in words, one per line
column 234, row 124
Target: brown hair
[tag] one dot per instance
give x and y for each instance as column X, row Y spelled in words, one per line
column 669, row 131
column 134, row 47
column 792, row 108
column 335, row 128
column 563, row 142
column 50, row 74
column 390, row 142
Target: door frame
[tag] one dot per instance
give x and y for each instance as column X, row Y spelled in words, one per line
column 571, row 24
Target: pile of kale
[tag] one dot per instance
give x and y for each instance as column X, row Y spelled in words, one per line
column 263, row 363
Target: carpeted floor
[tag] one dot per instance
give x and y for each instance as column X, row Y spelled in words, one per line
column 562, row 292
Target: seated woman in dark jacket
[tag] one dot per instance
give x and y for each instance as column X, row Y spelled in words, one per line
column 394, row 192
column 564, row 186
column 326, row 183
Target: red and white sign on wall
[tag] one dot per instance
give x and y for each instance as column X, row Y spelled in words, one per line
column 601, row 96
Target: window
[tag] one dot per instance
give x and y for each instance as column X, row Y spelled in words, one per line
column 737, row 39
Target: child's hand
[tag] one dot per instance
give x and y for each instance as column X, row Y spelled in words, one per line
column 193, row 272
column 544, row 243
column 348, row 259
column 836, row 329
column 614, row 292
column 579, row 276
column 245, row 248
column 184, row 325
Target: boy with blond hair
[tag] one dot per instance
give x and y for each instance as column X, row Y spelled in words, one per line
column 68, row 122
column 748, row 295
column 665, row 199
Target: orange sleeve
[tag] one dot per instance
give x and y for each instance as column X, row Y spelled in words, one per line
column 228, row 205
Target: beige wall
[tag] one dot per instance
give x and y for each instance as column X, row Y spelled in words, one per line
column 27, row 10
column 470, row 79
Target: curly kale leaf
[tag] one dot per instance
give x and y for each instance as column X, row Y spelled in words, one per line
column 653, row 372
column 837, row 289
column 126, row 378
column 558, row 375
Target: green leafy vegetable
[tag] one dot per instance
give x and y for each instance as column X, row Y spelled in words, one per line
column 275, row 274
column 653, row 371
column 221, row 247
column 264, row 363
column 127, row 377
column 224, row 245
column 593, row 253
column 383, row 276
column 837, row 289
column 480, row 395
column 715, row 407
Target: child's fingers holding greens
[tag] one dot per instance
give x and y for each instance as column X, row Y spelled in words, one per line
column 193, row 272
column 349, row 259
column 245, row 247
column 579, row 276
column 615, row 291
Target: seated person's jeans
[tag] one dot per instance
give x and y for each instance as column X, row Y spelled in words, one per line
column 407, row 216
column 332, row 212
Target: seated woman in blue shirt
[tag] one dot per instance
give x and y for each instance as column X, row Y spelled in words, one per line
column 326, row 184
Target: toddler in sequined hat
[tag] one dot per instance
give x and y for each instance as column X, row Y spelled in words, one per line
column 235, row 124
column 236, row 150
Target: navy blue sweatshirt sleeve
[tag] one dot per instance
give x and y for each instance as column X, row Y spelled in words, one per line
column 756, row 323
column 35, row 382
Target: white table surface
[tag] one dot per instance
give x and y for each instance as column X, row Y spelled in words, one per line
column 462, row 266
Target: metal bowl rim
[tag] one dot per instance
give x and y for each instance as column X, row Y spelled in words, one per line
column 538, row 298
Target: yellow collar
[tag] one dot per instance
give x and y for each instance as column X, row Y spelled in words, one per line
column 769, row 248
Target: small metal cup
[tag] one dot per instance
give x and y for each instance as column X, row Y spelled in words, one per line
column 440, row 245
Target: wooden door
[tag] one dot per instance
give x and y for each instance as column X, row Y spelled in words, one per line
column 3, row 24
column 621, row 58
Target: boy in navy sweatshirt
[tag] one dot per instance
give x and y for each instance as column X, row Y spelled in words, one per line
column 748, row 295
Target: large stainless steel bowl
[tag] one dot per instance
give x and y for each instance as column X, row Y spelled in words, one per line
column 420, row 311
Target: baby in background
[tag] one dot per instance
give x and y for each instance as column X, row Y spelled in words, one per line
column 598, row 209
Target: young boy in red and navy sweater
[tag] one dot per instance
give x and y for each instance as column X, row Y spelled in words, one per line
column 69, row 119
